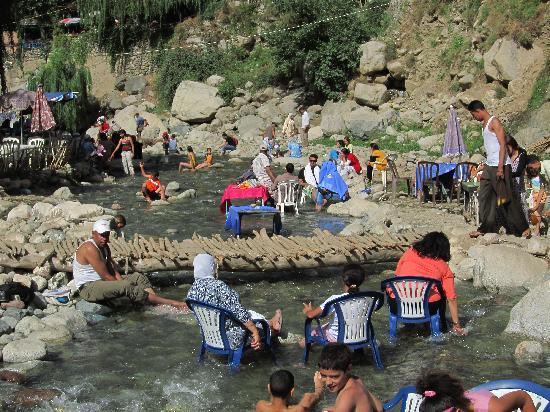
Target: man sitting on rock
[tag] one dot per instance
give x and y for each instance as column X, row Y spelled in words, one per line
column 98, row 280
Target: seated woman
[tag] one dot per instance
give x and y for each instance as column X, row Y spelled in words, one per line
column 443, row 392
column 429, row 258
column 208, row 289
column 191, row 161
column 377, row 160
column 349, row 163
column 352, row 277
column 208, row 159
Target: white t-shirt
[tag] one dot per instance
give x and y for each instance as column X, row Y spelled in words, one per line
column 312, row 176
column 259, row 164
column 333, row 326
column 305, row 120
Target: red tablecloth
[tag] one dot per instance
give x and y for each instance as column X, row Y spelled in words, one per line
column 234, row 192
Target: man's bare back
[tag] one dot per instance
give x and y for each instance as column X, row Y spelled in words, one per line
column 267, row 406
column 354, row 397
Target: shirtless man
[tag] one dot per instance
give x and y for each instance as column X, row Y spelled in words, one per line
column 98, row 280
column 335, row 369
column 281, row 390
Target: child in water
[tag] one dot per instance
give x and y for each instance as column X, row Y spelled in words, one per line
column 208, row 159
column 191, row 161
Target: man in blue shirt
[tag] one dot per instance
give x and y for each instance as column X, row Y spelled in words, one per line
column 140, row 124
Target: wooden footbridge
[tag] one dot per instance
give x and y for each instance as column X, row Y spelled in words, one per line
column 260, row 253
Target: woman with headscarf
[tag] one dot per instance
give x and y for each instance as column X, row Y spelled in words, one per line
column 208, row 289
column 289, row 127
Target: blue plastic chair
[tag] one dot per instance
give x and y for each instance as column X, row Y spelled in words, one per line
column 540, row 394
column 211, row 320
column 355, row 329
column 410, row 401
column 412, row 299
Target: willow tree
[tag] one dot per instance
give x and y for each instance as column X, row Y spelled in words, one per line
column 118, row 25
column 65, row 70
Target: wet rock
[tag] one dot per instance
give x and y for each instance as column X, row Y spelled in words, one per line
column 71, row 318
column 172, row 188
column 529, row 352
column 465, row 269
column 63, row 193
column 12, row 376
column 5, row 328
column 529, row 316
column 195, row 102
column 93, row 308
column 50, row 335
column 29, row 324
column 58, row 280
column 187, row 194
column 24, row 350
column 159, row 203
column 537, row 246
column 39, row 283
column 21, row 211
column 30, row 397
column 75, row 210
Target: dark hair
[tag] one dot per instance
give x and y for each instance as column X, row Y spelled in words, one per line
column 374, row 146
column 281, row 383
column 531, row 159
column 189, row 149
column 120, row 219
column 289, row 167
column 353, row 275
column 434, row 245
column 341, row 142
column 448, row 390
column 475, row 105
column 314, row 156
column 102, row 136
column 347, row 138
column 335, row 356
column 345, row 151
column 137, row 114
column 121, row 131
column 512, row 142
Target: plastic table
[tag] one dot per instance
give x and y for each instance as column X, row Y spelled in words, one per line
column 235, row 192
column 236, row 213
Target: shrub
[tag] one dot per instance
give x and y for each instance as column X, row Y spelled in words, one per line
column 540, row 89
column 454, row 53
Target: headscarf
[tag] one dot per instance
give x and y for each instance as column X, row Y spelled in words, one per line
column 204, row 266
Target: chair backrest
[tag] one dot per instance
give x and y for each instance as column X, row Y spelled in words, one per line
column 539, row 393
column 10, row 140
column 288, row 192
column 354, row 312
column 211, row 319
column 464, row 170
column 428, row 170
column 411, row 294
column 36, row 141
column 407, row 398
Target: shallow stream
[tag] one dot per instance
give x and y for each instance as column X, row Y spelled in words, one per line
column 146, row 360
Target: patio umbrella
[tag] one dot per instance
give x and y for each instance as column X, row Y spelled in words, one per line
column 42, row 117
column 454, row 144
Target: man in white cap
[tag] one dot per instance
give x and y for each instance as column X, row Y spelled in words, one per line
column 98, row 280
column 261, row 166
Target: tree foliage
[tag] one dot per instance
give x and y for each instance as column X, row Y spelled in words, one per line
column 65, row 71
column 326, row 54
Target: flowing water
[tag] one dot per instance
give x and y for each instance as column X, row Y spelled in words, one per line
column 145, row 360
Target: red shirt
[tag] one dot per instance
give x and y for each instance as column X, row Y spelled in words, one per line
column 412, row 264
column 354, row 162
column 152, row 184
column 104, row 127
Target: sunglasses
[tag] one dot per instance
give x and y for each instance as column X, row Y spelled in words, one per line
column 313, row 160
column 104, row 234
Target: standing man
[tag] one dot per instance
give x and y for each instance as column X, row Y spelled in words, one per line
column 496, row 170
column 141, row 122
column 98, row 280
column 305, row 126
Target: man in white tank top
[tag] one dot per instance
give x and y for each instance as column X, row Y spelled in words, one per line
column 98, row 280
column 497, row 168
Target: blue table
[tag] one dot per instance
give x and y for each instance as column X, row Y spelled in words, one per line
column 236, row 213
column 443, row 169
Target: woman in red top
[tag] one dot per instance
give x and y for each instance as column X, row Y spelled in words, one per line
column 353, row 160
column 429, row 258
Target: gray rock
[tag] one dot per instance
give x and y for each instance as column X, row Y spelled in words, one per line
column 529, row 135
column 58, row 280
column 41, row 209
column 215, row 80
column 94, row 308
column 250, row 126
column 71, row 318
column 114, row 101
column 57, row 334
column 195, row 102
column 55, row 235
column 75, row 210
column 125, row 119
column 372, row 95
column 397, row 69
column 130, row 100
column 63, row 193
column 373, row 57
column 537, row 246
column 500, row 267
column 529, row 352
column 29, row 324
column 135, row 85
column 362, row 121
column 5, row 278
column 428, row 142
column 39, row 283
column 529, row 316
column 187, row 194
column 5, row 327
column 21, row 211
column 23, row 280
column 466, row 81
column 411, row 116
column 159, row 203
column 332, row 116
column 24, row 350
column 15, row 313
column 172, row 188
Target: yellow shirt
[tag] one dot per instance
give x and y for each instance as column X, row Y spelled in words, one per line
column 381, row 161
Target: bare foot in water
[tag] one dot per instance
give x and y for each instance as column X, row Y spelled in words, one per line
column 276, row 322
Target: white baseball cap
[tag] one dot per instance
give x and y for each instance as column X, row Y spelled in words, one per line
column 102, row 226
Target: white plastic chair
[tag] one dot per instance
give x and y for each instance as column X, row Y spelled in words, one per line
column 10, row 140
column 288, row 195
column 383, row 173
column 36, row 141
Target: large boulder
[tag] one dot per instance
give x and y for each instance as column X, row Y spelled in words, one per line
column 24, row 350
column 371, row 94
column 332, row 116
column 361, row 121
column 41, row 209
column 506, row 60
column 529, row 316
column 500, row 267
column 373, row 57
column 21, row 211
column 75, row 210
column 135, row 85
column 63, row 193
column 251, row 126
column 397, row 69
column 70, row 318
column 196, row 102
column 125, row 119
column 427, row 142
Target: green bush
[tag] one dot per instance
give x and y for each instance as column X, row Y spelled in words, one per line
column 454, row 53
column 540, row 89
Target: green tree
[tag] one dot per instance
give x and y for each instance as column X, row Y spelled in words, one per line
column 65, row 71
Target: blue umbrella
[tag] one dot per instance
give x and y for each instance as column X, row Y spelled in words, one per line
column 454, row 143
